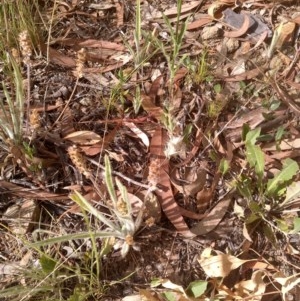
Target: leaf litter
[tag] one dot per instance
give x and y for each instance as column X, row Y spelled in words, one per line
column 98, row 118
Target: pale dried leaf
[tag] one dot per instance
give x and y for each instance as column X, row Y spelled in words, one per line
column 216, row 8
column 138, row 132
column 254, row 287
column 20, row 216
column 285, row 144
column 92, row 150
column 84, row 137
column 288, row 283
column 174, row 287
column 10, row 268
column 133, row 298
column 219, row 265
column 292, row 193
column 173, row 11
column 147, row 295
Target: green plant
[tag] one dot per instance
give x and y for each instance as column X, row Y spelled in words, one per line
column 53, row 277
column 171, row 51
column 120, row 223
column 15, row 17
column 266, row 198
column 12, row 108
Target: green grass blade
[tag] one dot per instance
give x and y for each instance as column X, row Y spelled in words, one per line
column 83, row 203
column 109, row 180
column 73, row 236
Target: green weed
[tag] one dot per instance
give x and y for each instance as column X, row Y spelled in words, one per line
column 267, row 198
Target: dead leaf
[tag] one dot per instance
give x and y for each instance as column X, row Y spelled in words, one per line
column 173, row 11
column 155, row 87
column 97, row 148
column 286, row 144
column 203, row 199
column 165, row 193
column 84, row 138
column 254, row 288
column 37, row 194
column 56, row 57
column 151, row 108
column 92, row 150
column 152, row 207
column 192, row 182
column 192, row 153
column 283, row 32
column 219, row 265
column 242, row 76
column 216, row 8
column 288, row 283
column 138, row 132
column 213, row 218
column 200, row 22
column 21, row 216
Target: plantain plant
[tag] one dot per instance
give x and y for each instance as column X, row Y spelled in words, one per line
column 267, row 199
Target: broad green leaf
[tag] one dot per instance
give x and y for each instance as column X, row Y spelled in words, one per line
column 170, row 296
column 269, row 233
column 252, row 218
column 252, row 136
column 282, row 225
column 155, row 282
column 197, row 288
column 245, row 130
column 255, row 207
column 47, row 263
column 296, row 225
column 279, row 133
column 224, row 166
column 290, row 168
column 256, row 159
